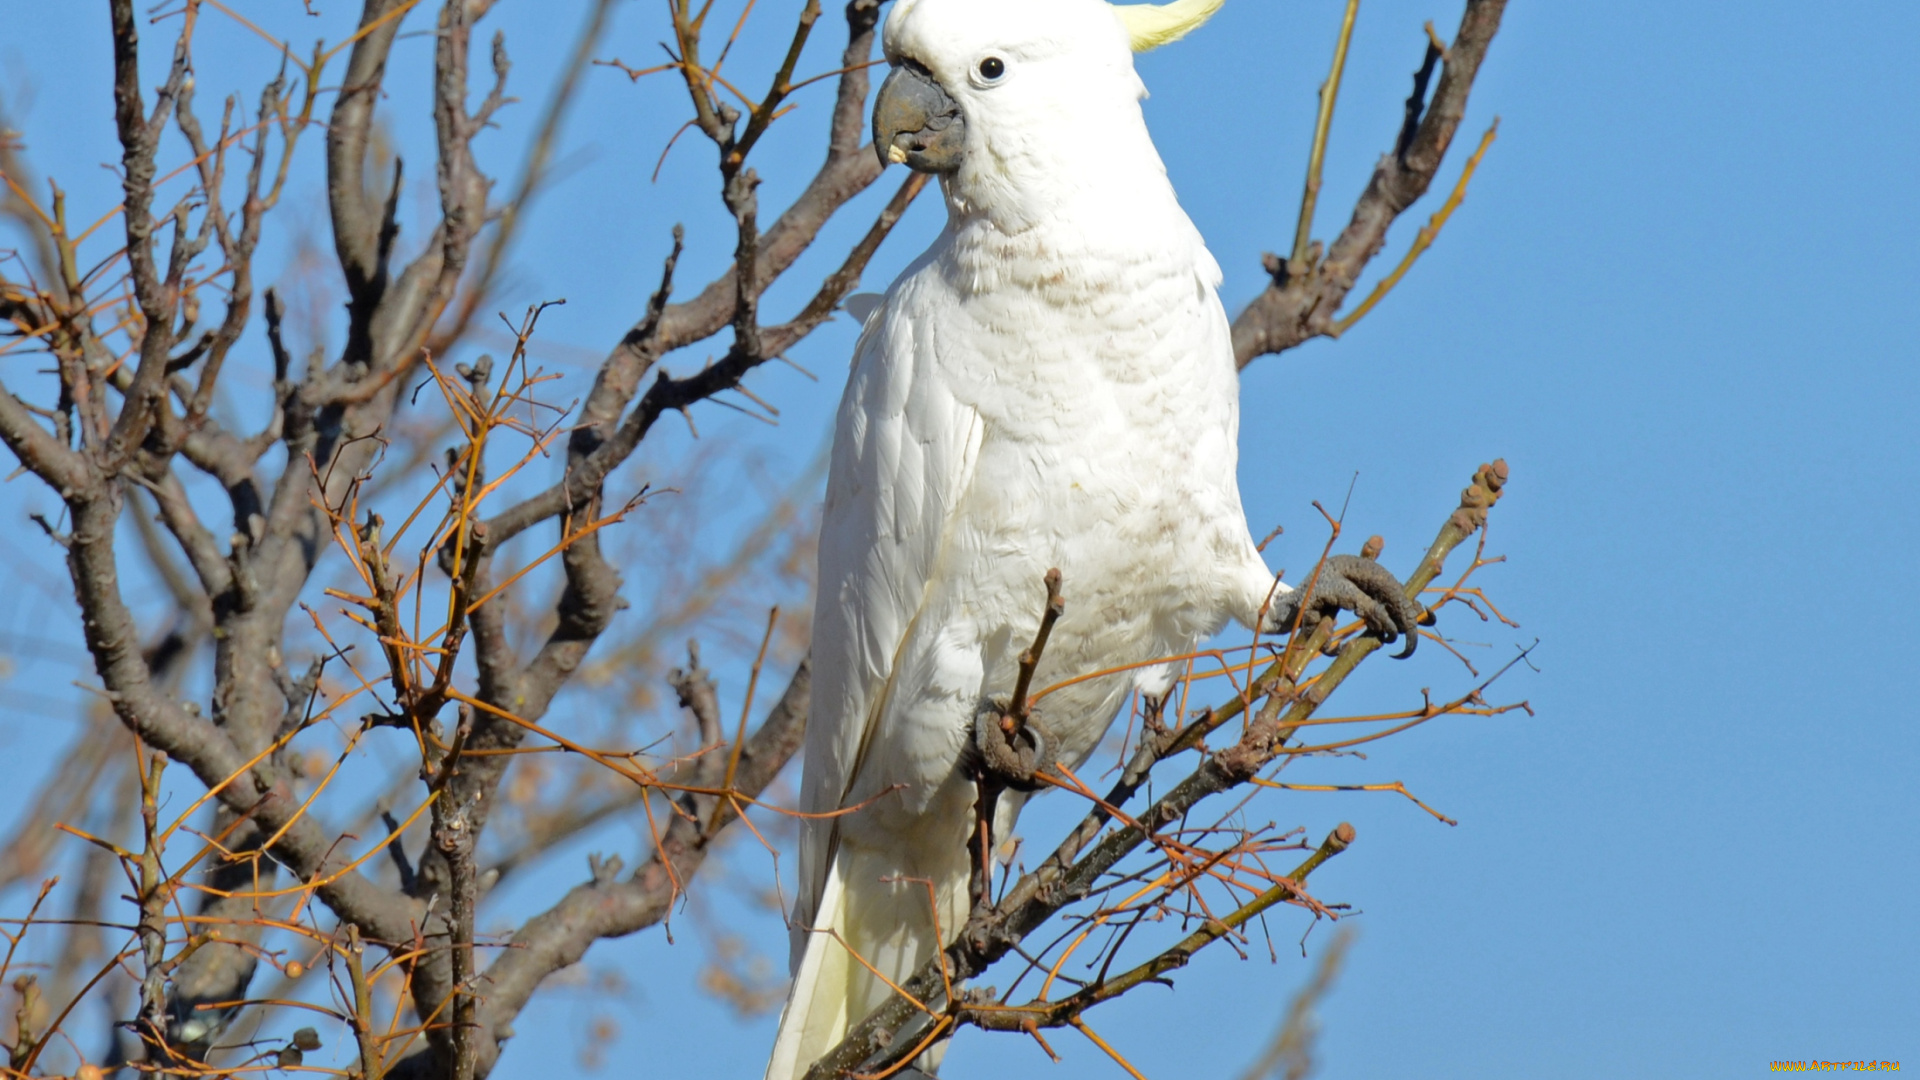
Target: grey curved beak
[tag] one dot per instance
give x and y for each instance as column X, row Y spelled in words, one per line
column 916, row 124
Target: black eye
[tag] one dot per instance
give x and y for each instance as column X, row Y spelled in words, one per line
column 992, row 68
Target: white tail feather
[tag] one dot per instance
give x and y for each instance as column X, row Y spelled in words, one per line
column 888, row 923
column 814, row 1017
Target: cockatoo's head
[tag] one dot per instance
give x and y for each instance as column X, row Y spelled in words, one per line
column 1001, row 88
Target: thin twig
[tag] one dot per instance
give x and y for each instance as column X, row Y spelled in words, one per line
column 1322, row 124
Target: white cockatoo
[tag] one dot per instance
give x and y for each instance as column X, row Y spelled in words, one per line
column 1051, row 385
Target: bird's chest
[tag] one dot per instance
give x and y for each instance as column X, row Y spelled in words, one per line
column 1107, row 414
column 1108, row 450
column 1103, row 417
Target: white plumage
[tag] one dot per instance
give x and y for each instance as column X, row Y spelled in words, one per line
column 1052, row 384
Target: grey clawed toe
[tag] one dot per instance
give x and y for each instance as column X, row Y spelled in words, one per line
column 1356, row 584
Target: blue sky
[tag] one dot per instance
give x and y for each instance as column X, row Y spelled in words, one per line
column 1678, row 300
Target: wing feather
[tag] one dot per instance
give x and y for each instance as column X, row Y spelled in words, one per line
column 903, row 456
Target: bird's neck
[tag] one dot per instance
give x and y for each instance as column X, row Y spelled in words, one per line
column 1050, row 214
column 1088, row 165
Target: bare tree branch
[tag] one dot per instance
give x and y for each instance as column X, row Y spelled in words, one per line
column 1305, row 296
column 606, row 907
column 848, row 170
column 669, row 394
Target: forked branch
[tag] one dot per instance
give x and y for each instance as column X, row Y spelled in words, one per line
column 1303, row 299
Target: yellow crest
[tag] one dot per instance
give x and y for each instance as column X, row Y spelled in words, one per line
column 1150, row 26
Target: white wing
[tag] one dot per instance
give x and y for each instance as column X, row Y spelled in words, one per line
column 903, row 455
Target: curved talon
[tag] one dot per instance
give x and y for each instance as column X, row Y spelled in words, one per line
column 1413, row 641
column 1363, row 587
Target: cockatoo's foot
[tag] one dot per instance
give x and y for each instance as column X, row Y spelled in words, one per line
column 1359, row 585
column 1005, row 752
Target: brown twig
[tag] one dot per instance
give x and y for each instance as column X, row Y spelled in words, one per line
column 1323, row 123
